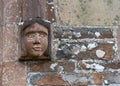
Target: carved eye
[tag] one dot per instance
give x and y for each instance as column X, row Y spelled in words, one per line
column 41, row 34
column 32, row 35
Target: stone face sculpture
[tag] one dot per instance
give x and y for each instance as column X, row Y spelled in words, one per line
column 35, row 40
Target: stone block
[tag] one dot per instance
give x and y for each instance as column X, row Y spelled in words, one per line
column 46, row 79
column 83, row 79
column 82, row 32
column 93, row 78
column 67, row 66
column 97, row 78
column 41, row 66
column 115, row 65
column 111, row 78
column 1, row 42
column 14, row 74
column 66, row 79
column 118, row 40
column 11, row 42
column 91, row 66
column 48, row 66
column 11, row 11
column 28, row 12
column 84, row 43
column 1, row 12
column 84, row 50
column 106, row 48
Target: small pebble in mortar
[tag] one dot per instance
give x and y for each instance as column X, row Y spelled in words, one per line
column 97, row 34
column 77, row 34
column 106, row 82
column 52, row 66
column 92, row 45
column 100, row 53
column 96, row 67
column 83, row 48
column 20, row 23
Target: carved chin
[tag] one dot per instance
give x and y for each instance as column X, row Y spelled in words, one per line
column 37, row 54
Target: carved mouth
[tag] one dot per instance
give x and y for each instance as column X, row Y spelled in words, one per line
column 37, row 47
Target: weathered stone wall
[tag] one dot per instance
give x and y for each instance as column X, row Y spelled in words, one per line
column 88, row 12
column 1, row 19
column 85, row 44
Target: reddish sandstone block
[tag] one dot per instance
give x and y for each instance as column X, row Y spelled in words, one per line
column 40, row 8
column 10, row 37
column 11, row 10
column 105, row 75
column 115, row 65
column 81, row 33
column 107, row 48
column 91, row 33
column 50, row 12
column 14, row 74
column 82, row 65
column 46, row 66
column 94, row 78
column 83, row 50
column 51, row 80
column 1, row 12
column 67, row 65
column 43, row 66
column 29, row 12
column 97, row 78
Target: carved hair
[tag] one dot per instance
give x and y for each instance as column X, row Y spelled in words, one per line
column 29, row 23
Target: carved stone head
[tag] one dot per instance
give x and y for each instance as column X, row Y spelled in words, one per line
column 35, row 36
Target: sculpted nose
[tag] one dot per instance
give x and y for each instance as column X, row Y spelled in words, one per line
column 37, row 39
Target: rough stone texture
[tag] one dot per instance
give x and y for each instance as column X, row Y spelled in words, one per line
column 14, row 74
column 113, row 78
column 84, row 54
column 30, row 9
column 37, row 8
column 1, row 55
column 83, row 32
column 1, row 38
column 72, row 51
column 51, row 80
column 82, row 79
column 115, row 65
column 10, row 42
column 40, row 66
column 88, row 12
column 118, row 41
column 0, row 73
column 48, row 66
column 68, row 66
column 11, row 11
column 1, row 12
column 74, row 43
column 46, row 79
